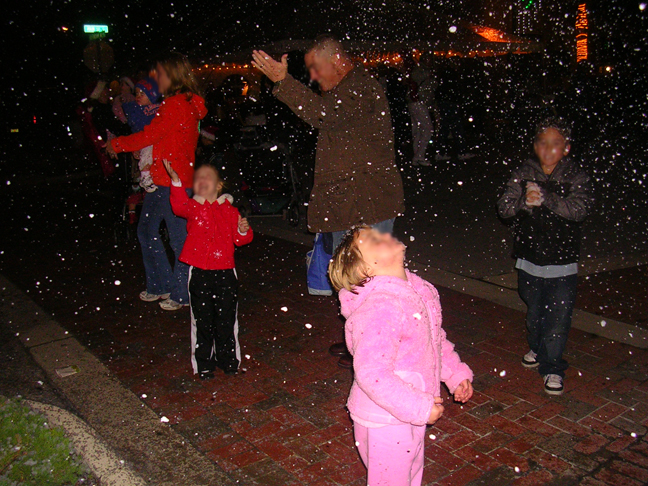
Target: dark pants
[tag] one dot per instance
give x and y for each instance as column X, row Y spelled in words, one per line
column 160, row 277
column 550, row 304
column 214, row 326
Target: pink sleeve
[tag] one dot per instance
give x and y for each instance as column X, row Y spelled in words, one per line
column 375, row 331
column 453, row 370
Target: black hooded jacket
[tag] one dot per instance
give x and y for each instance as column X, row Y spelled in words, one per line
column 548, row 234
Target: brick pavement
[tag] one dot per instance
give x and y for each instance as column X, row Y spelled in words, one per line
column 283, row 420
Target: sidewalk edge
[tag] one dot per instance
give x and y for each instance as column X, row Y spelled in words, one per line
column 133, row 430
column 101, row 459
column 585, row 321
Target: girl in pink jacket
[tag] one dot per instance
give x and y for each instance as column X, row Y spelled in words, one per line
column 400, row 355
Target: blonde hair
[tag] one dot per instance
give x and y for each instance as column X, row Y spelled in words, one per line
column 347, row 268
column 181, row 75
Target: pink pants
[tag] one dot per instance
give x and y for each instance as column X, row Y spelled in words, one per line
column 394, row 455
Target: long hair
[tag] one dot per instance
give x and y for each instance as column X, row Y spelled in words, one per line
column 183, row 80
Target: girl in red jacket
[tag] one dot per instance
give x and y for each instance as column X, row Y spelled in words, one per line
column 214, row 228
column 174, row 136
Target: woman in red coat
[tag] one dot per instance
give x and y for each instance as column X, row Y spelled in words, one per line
column 174, row 136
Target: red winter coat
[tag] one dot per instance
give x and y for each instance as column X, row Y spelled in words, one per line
column 212, row 230
column 174, row 136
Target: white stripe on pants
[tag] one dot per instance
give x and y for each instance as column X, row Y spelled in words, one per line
column 194, row 364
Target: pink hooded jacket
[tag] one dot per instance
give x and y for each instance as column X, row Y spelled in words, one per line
column 400, row 353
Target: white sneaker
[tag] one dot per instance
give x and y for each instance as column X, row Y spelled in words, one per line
column 553, row 385
column 530, row 360
column 146, row 297
column 422, row 163
column 171, row 305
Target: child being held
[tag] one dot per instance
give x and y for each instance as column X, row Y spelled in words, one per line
column 400, row 355
column 214, row 228
column 546, row 199
column 140, row 113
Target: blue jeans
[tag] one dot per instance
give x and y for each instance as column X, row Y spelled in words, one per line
column 386, row 226
column 160, row 277
column 550, row 305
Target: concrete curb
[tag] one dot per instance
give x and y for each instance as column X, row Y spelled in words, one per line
column 134, row 431
column 101, row 459
column 501, row 289
column 585, row 321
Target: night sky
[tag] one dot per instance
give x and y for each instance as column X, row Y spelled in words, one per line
column 43, row 68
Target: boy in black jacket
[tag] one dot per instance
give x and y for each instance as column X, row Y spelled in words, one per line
column 547, row 198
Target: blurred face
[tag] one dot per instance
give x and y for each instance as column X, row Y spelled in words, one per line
column 207, row 183
column 125, row 89
column 141, row 98
column 164, row 83
column 322, row 70
column 380, row 250
column 550, row 147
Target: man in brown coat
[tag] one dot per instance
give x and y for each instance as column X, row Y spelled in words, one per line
column 356, row 178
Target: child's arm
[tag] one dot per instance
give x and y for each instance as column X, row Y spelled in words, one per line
column 453, row 370
column 179, row 198
column 514, row 199
column 578, row 202
column 376, row 330
column 242, row 232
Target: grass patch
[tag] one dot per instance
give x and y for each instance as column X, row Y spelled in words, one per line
column 32, row 453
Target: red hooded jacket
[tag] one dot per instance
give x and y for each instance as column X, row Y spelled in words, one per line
column 212, row 230
column 174, row 136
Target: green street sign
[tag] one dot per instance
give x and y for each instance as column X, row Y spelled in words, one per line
column 95, row 29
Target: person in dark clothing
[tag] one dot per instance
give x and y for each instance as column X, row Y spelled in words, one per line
column 547, row 199
column 356, row 178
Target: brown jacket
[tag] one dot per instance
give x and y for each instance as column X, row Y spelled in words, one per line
column 356, row 178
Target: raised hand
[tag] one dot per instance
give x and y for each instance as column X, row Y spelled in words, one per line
column 172, row 173
column 533, row 195
column 276, row 71
column 243, row 225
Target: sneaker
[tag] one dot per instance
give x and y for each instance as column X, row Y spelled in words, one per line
column 441, row 157
column 146, row 297
column 206, row 375
column 171, row 305
column 231, row 370
column 466, row 156
column 422, row 163
column 553, row 384
column 530, row 360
